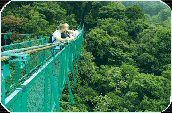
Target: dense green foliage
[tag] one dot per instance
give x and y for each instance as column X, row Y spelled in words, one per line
column 125, row 64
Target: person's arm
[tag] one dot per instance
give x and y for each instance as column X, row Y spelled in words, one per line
column 71, row 37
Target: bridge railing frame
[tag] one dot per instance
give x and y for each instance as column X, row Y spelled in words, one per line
column 18, row 99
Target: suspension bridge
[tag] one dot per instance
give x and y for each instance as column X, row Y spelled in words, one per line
column 34, row 75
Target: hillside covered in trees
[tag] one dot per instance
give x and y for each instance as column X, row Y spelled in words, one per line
column 126, row 63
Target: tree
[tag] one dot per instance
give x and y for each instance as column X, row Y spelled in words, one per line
column 125, row 63
column 134, row 12
column 113, row 10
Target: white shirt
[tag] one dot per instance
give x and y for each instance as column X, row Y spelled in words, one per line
column 56, row 33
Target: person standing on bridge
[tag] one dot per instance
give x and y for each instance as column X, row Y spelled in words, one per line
column 67, row 32
column 71, row 33
column 57, row 35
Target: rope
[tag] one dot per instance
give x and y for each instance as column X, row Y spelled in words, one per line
column 39, row 49
column 17, row 34
column 5, row 58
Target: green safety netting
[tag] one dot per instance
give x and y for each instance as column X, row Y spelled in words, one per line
column 34, row 81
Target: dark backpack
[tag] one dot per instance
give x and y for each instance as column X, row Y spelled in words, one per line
column 50, row 39
column 65, row 34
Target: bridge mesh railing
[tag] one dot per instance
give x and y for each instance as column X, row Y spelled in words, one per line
column 36, row 42
column 42, row 89
column 22, row 65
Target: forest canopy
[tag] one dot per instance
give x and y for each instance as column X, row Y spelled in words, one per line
column 126, row 60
